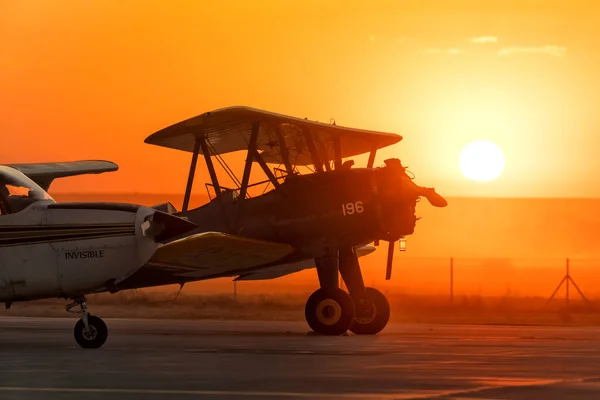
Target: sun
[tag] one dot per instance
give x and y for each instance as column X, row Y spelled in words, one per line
column 482, row 161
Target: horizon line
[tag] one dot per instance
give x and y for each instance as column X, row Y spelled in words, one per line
column 449, row 197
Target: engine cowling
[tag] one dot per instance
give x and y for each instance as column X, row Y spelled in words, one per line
column 398, row 197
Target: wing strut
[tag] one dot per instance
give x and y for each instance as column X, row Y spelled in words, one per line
column 215, row 180
column 285, row 155
column 372, row 155
column 246, row 176
column 337, row 151
column 313, row 150
column 265, row 168
column 190, row 182
column 210, row 165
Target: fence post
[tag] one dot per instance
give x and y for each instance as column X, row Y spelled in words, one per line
column 567, row 287
column 451, row 280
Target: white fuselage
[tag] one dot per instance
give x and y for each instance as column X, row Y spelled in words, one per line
column 67, row 250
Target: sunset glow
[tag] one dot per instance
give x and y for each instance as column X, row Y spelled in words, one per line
column 93, row 79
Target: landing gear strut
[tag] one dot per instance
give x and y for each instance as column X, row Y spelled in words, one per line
column 90, row 332
column 331, row 311
column 372, row 310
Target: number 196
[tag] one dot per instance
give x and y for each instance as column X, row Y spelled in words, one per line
column 352, row 208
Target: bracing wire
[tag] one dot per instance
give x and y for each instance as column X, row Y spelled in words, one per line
column 225, row 166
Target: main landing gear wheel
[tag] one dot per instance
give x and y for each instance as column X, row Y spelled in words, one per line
column 329, row 311
column 90, row 332
column 94, row 335
column 372, row 313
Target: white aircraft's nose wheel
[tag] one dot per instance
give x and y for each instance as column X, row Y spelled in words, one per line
column 90, row 331
column 372, row 313
column 329, row 311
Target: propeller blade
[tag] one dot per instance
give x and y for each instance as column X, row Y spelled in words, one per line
column 390, row 258
column 434, row 198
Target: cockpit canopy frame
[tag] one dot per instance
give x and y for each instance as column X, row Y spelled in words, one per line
column 17, row 191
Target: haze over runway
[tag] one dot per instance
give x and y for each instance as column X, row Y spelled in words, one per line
column 147, row 359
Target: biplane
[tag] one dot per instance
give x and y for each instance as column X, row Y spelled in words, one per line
column 323, row 218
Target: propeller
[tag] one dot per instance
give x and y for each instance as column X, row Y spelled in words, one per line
column 390, row 257
column 409, row 192
column 434, row 198
column 430, row 194
column 391, row 243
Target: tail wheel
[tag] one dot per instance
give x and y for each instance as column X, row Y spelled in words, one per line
column 372, row 313
column 329, row 311
column 94, row 336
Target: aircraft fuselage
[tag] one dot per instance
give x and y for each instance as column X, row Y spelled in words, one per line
column 318, row 212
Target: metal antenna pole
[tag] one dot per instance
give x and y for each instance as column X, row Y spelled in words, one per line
column 568, row 278
column 451, row 279
column 576, row 287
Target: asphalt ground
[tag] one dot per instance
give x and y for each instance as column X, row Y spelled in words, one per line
column 156, row 359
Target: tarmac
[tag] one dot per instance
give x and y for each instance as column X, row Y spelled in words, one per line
column 158, row 359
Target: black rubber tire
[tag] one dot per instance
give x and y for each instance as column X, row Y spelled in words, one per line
column 329, row 311
column 98, row 336
column 381, row 318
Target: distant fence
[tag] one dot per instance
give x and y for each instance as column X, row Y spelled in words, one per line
column 460, row 276
column 519, row 277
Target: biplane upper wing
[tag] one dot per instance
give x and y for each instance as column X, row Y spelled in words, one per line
column 229, row 129
column 44, row 173
column 215, row 253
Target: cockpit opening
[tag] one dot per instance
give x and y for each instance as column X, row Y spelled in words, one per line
column 17, row 191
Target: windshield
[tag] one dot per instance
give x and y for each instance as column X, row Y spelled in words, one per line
column 17, row 191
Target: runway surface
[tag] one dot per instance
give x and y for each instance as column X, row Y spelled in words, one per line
column 157, row 359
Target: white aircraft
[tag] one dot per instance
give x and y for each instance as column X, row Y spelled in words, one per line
column 68, row 250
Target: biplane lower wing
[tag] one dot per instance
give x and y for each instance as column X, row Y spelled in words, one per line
column 45, row 173
column 214, row 253
column 280, row 270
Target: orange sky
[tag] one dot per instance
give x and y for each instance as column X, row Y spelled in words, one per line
column 91, row 79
